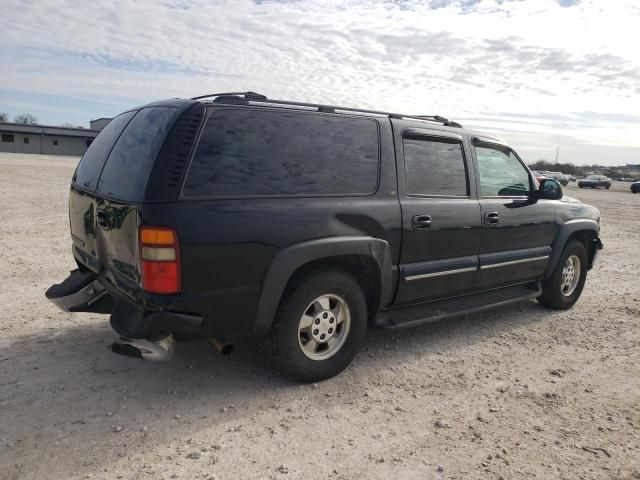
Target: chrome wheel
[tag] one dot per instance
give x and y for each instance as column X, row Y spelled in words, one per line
column 324, row 326
column 570, row 275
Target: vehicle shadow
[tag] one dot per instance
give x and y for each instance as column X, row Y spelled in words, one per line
column 65, row 389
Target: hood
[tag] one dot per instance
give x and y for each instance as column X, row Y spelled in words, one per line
column 568, row 199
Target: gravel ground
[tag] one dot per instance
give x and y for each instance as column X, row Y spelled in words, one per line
column 521, row 392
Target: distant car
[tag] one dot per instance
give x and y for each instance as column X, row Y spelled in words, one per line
column 635, row 187
column 572, row 178
column 539, row 175
column 558, row 177
column 595, row 181
column 625, row 179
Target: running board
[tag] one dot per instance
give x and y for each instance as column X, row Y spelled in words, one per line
column 453, row 307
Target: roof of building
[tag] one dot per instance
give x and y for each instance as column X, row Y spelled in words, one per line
column 48, row 130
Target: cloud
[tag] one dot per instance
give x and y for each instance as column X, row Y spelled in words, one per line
column 456, row 58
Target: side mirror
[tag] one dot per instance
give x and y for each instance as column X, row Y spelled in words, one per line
column 549, row 189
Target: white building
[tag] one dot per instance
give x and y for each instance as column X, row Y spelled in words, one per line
column 17, row 138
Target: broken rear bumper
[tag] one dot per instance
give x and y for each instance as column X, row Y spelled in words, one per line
column 80, row 292
column 84, row 291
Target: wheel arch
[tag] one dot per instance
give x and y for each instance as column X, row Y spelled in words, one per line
column 367, row 259
column 585, row 231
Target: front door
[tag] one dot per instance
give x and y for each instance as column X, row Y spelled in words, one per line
column 517, row 231
column 440, row 216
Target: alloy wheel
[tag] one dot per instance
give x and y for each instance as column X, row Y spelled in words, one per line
column 324, row 327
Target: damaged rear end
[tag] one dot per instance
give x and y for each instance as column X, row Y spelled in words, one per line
column 128, row 264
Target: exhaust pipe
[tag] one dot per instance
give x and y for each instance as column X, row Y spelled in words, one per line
column 157, row 350
column 223, row 346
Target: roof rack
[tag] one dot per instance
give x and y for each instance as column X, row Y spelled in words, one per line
column 252, row 97
column 247, row 95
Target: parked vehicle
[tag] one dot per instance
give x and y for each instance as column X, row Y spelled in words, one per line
column 233, row 214
column 595, row 181
column 635, row 187
column 559, row 177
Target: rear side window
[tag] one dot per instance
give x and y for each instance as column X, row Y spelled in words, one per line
column 91, row 164
column 127, row 170
column 434, row 167
column 246, row 152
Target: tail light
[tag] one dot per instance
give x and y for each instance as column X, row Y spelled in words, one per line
column 160, row 260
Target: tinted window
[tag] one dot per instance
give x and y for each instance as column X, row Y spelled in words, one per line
column 501, row 173
column 434, row 167
column 250, row 152
column 91, row 164
column 126, row 172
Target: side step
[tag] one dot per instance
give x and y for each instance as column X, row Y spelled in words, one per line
column 453, row 307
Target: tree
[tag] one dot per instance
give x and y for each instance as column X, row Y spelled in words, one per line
column 25, row 119
column 568, row 168
column 4, row 117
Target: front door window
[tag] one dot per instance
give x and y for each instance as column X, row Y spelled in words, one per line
column 501, row 172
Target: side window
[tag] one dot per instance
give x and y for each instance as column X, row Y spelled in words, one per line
column 248, row 152
column 501, row 173
column 434, row 167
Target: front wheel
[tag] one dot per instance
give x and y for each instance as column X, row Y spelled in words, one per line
column 319, row 327
column 563, row 288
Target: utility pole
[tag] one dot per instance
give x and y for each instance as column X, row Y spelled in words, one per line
column 557, row 150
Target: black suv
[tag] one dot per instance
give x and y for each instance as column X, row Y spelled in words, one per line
column 233, row 214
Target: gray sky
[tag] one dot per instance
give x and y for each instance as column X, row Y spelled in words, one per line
column 540, row 73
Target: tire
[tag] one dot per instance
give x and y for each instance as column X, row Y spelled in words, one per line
column 556, row 293
column 580, row 186
column 608, row 187
column 290, row 345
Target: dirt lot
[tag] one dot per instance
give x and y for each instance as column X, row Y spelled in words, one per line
column 522, row 392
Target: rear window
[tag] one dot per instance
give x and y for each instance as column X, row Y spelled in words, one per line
column 246, row 152
column 127, row 170
column 92, row 161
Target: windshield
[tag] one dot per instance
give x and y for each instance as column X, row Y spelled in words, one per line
column 593, row 177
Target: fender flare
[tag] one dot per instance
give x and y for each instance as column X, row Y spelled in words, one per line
column 564, row 232
column 288, row 260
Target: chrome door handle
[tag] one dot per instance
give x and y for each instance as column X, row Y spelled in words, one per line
column 491, row 218
column 421, row 222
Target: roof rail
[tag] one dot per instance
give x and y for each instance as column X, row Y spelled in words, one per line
column 252, row 97
column 247, row 95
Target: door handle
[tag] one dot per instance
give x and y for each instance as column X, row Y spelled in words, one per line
column 491, row 218
column 421, row 222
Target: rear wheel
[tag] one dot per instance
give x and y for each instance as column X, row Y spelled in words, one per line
column 565, row 285
column 320, row 327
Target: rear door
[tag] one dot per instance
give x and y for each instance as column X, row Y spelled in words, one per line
column 108, row 187
column 517, row 231
column 440, row 215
